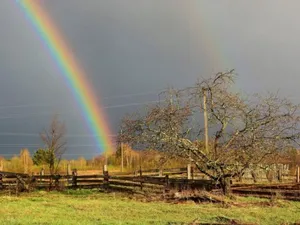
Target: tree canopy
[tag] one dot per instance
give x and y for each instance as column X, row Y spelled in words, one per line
column 244, row 130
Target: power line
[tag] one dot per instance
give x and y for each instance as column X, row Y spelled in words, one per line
column 19, row 115
column 22, row 106
column 130, row 104
column 71, row 135
column 37, row 135
column 110, row 97
column 132, row 95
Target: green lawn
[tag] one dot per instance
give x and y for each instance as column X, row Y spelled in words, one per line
column 91, row 207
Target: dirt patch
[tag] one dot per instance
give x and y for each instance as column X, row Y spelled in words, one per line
column 222, row 220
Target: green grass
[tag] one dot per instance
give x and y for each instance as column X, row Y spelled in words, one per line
column 92, row 207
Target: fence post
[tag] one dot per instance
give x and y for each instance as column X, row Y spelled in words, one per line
column 141, row 178
column 161, row 170
column 279, row 172
column 192, row 172
column 189, row 171
column 69, row 174
column 105, row 178
column 298, row 174
column 74, row 178
column 41, row 174
column 69, row 171
column 1, row 181
column 56, row 181
column 167, row 184
column 17, row 186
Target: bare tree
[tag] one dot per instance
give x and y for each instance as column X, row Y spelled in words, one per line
column 55, row 144
column 244, row 131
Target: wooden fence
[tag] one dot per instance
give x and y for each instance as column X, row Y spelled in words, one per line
column 156, row 180
column 152, row 180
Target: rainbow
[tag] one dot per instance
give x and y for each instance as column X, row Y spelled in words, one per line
column 73, row 75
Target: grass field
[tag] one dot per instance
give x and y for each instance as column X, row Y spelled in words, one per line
column 92, row 207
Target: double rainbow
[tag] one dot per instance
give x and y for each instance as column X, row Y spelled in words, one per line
column 73, row 75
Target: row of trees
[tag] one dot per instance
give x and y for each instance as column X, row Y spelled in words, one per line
column 50, row 158
column 245, row 131
column 133, row 160
column 20, row 163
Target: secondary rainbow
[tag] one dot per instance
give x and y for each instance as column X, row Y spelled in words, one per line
column 73, row 75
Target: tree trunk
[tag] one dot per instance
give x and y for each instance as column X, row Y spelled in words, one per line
column 270, row 175
column 130, row 161
column 225, row 185
column 127, row 162
column 51, row 170
column 240, row 177
column 254, row 176
column 279, row 175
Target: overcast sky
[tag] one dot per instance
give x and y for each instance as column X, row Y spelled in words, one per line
column 139, row 47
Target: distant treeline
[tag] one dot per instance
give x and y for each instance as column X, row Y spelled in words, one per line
column 132, row 160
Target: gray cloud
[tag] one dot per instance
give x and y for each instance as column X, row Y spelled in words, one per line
column 135, row 46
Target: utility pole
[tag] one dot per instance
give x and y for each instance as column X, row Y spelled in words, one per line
column 205, row 119
column 106, row 158
column 171, row 97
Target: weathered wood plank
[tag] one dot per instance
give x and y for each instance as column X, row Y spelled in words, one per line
column 89, row 181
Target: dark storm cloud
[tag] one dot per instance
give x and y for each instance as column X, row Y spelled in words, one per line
column 136, row 46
